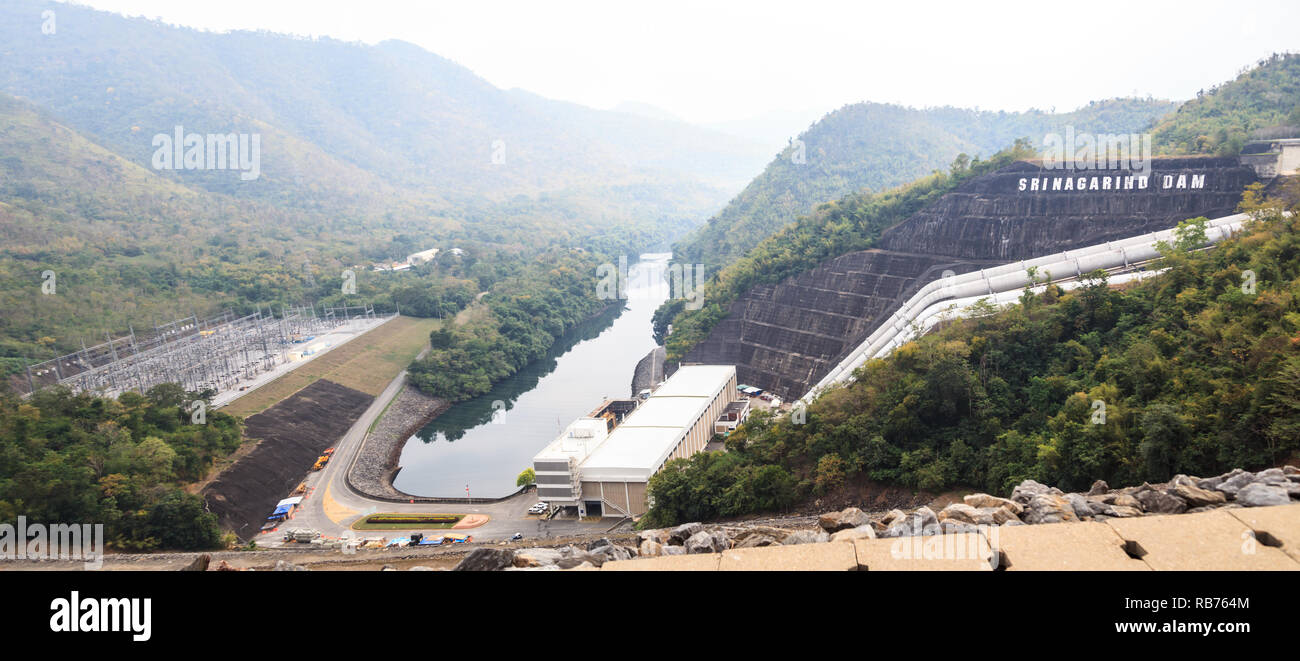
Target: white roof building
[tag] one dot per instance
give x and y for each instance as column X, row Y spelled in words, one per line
column 640, row 446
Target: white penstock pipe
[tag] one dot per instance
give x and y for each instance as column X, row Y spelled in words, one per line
column 1003, row 284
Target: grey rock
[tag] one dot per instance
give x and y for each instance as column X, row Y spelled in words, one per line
column 982, row 500
column 681, row 533
column 806, row 537
column 421, row 568
column 537, row 557
column 1159, row 502
column 1262, row 495
column 486, row 559
column 650, row 548
column 281, row 565
column 1214, row 482
column 1235, row 483
column 923, row 521
column 707, row 542
column 1273, row 476
column 755, row 541
column 961, row 513
column 852, row 534
column 603, row 541
column 1025, row 491
column 1048, row 508
column 1099, row 487
column 674, row 550
column 849, row 517
column 1082, row 508
column 1183, row 487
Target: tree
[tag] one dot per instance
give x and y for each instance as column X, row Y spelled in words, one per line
column 526, row 478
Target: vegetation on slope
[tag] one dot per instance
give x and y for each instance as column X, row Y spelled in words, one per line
column 875, row 147
column 854, row 222
column 1198, row 373
column 523, row 316
column 1263, row 101
column 68, row 458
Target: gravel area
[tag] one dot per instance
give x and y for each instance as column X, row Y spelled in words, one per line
column 373, row 469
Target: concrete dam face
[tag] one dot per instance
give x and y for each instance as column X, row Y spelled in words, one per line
column 784, row 337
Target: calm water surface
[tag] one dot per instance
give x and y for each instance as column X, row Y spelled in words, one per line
column 465, row 447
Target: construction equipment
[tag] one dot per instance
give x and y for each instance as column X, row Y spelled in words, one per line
column 320, row 462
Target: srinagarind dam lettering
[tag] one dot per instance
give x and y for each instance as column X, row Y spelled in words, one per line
column 1110, row 182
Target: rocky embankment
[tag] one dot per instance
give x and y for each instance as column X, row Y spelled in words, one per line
column 1029, row 503
column 375, row 465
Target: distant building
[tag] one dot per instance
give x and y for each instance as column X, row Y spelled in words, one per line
column 422, row 256
column 606, row 473
column 1273, row 158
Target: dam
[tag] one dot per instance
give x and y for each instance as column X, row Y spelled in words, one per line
column 786, row 337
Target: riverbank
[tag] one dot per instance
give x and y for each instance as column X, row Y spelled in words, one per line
column 376, row 464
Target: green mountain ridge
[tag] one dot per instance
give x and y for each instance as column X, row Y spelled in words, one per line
column 877, row 147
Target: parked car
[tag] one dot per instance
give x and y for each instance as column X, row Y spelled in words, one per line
column 516, row 537
column 539, row 508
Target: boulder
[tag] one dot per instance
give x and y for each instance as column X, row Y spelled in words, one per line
column 1260, row 494
column 1116, row 498
column 681, row 533
column 1098, row 488
column 1156, row 501
column 1025, row 491
column 1000, row 515
column 1184, row 487
column 1082, row 508
column 537, row 557
column 861, row 532
column 603, row 541
column 486, row 559
column 849, row 517
column 674, row 550
column 754, row 541
column 1213, row 483
column 1048, row 508
column 982, row 500
column 806, row 537
column 650, row 548
column 281, row 565
column 1235, row 483
column 707, row 542
column 610, row 552
column 890, row 518
column 921, row 522
column 961, row 513
column 1273, row 476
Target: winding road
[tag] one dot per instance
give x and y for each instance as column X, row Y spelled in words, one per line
column 331, row 505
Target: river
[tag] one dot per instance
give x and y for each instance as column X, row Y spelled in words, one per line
column 464, row 447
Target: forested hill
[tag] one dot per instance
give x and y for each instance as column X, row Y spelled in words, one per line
column 1262, row 102
column 1198, row 370
column 879, row 146
column 350, row 117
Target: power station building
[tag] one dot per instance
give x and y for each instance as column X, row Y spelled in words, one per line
column 602, row 465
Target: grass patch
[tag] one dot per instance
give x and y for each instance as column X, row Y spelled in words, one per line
column 397, row 521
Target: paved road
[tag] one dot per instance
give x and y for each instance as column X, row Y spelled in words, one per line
column 331, row 506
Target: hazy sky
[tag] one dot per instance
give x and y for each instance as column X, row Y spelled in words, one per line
column 714, row 61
